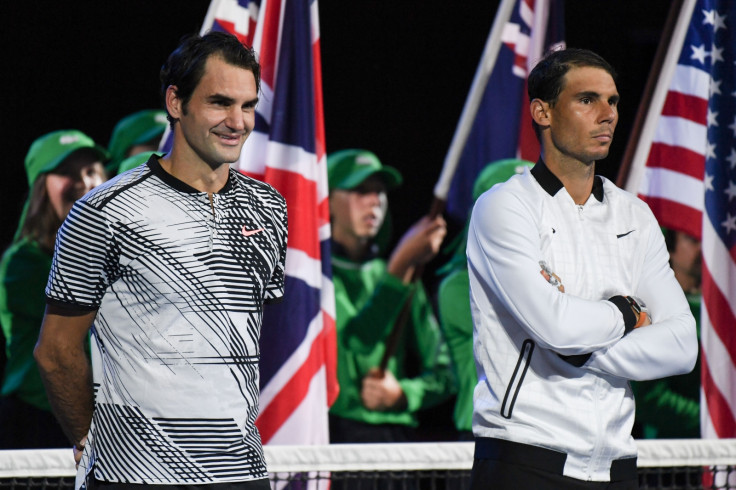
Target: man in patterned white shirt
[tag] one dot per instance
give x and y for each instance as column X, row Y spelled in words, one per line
column 169, row 266
column 561, row 265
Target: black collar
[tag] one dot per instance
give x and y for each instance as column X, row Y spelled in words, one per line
column 158, row 171
column 552, row 184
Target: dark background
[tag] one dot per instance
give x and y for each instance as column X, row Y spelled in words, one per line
column 395, row 77
column 395, row 74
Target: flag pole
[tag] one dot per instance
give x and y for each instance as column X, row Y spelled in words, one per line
column 442, row 187
column 665, row 60
column 477, row 89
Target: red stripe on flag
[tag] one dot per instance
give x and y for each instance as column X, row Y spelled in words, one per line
column 301, row 197
column 268, row 50
column 686, row 106
column 678, row 159
column 282, row 406
column 675, row 216
column 319, row 116
column 719, row 311
column 719, row 411
column 528, row 143
column 230, row 27
column 330, row 349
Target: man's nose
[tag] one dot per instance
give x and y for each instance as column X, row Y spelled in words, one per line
column 235, row 119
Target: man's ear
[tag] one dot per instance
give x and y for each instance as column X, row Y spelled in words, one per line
column 173, row 102
column 540, row 112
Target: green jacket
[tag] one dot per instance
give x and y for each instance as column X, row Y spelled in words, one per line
column 669, row 408
column 457, row 326
column 24, row 271
column 368, row 300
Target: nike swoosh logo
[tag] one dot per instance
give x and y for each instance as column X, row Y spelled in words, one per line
column 251, row 232
column 624, row 234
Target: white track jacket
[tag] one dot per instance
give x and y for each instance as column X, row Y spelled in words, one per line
column 611, row 245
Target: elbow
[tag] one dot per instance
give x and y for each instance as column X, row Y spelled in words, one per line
column 44, row 357
column 689, row 347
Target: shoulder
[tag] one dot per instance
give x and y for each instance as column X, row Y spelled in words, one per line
column 507, row 200
column 263, row 190
column 103, row 194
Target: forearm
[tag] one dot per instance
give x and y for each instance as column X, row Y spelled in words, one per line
column 68, row 383
column 65, row 369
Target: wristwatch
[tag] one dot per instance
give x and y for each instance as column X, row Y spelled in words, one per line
column 640, row 310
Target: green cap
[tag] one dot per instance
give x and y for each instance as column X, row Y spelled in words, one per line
column 347, row 169
column 135, row 161
column 50, row 150
column 135, row 129
column 497, row 172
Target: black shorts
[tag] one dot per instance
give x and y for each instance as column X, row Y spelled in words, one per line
column 507, row 465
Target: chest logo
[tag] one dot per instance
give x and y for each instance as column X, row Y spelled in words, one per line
column 624, row 234
column 251, row 232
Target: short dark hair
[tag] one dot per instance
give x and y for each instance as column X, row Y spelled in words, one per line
column 185, row 66
column 547, row 79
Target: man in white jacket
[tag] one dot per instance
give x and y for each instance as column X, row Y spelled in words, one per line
column 572, row 296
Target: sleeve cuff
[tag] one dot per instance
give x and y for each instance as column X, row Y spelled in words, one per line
column 625, row 308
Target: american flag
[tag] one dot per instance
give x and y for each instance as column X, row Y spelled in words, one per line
column 689, row 181
column 287, row 149
column 502, row 126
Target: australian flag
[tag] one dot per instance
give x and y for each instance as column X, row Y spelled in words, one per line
column 502, row 127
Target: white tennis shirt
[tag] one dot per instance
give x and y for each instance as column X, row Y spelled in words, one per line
column 178, row 282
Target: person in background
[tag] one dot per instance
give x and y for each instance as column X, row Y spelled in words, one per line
column 572, row 296
column 136, row 133
column 135, row 161
column 61, row 167
column 375, row 406
column 453, row 302
column 669, row 408
column 170, row 265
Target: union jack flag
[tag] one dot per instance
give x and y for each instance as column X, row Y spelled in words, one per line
column 502, row 127
column 287, row 149
column 689, row 182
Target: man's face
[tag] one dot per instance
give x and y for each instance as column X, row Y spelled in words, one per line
column 358, row 213
column 219, row 116
column 584, row 117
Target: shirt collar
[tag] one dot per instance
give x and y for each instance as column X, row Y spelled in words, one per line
column 158, row 171
column 552, row 184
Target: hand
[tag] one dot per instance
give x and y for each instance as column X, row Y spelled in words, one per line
column 381, row 391
column 551, row 277
column 417, row 246
column 79, row 450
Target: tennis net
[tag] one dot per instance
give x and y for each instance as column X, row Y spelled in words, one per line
column 663, row 464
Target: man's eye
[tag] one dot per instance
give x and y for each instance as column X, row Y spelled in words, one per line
column 586, row 100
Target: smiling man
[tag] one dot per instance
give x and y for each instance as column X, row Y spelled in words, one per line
column 563, row 266
column 170, row 265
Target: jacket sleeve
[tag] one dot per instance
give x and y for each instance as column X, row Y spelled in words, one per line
column 667, row 347
column 504, row 251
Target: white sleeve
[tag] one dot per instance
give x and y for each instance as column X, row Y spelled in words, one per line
column 667, row 347
column 504, row 251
